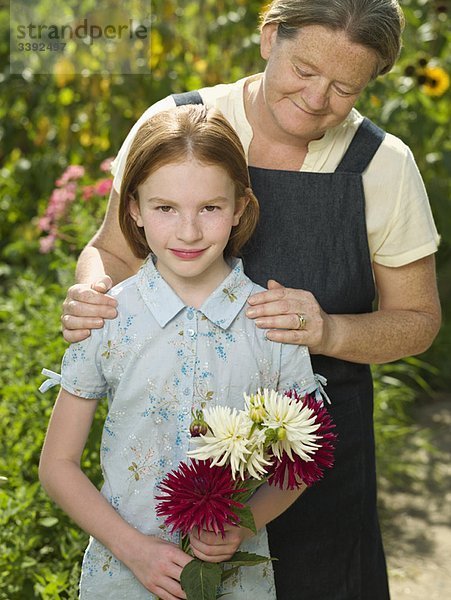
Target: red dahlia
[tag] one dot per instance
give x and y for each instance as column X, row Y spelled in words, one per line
column 198, row 495
column 287, row 473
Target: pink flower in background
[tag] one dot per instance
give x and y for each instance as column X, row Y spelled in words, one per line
column 46, row 244
column 88, row 192
column 105, row 166
column 73, row 172
column 44, row 223
column 67, row 189
column 103, row 187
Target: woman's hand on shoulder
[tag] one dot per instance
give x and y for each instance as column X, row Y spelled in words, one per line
column 291, row 317
column 85, row 308
column 158, row 565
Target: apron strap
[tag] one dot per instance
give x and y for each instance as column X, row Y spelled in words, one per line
column 362, row 148
column 187, row 98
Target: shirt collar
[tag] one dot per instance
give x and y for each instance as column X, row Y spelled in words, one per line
column 221, row 307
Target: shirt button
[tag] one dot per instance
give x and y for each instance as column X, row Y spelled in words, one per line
column 191, row 332
column 190, row 315
column 186, row 391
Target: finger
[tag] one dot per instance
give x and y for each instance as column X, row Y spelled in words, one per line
column 86, row 294
column 289, row 336
column 274, row 285
column 76, row 336
column 213, row 558
column 103, row 284
column 165, row 594
column 268, row 296
column 290, row 321
column 274, row 308
column 86, row 309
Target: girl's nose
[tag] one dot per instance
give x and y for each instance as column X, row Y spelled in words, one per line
column 189, row 230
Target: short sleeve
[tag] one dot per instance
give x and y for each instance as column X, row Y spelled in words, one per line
column 296, row 371
column 118, row 164
column 81, row 367
column 400, row 224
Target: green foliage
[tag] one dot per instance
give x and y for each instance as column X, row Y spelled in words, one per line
column 40, row 548
column 50, row 122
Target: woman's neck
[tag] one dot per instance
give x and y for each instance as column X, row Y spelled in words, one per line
column 270, row 147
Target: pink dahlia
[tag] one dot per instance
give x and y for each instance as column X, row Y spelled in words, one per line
column 288, row 473
column 199, row 495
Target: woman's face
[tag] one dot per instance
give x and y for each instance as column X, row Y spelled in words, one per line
column 312, row 82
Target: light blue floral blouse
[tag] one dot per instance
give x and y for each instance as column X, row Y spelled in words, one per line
column 155, row 362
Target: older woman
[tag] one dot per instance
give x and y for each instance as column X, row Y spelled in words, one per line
column 344, row 215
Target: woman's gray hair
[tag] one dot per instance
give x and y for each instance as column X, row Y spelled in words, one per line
column 375, row 24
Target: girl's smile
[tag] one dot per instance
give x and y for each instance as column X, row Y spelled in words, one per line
column 187, row 210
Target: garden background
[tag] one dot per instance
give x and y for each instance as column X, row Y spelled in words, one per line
column 52, row 122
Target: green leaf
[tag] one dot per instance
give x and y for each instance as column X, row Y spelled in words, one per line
column 200, row 580
column 249, row 486
column 249, row 559
column 48, row 521
column 246, row 518
column 243, row 559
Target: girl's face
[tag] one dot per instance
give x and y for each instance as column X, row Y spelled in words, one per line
column 188, row 210
column 312, row 82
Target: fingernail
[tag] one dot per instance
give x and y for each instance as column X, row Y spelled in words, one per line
column 251, row 312
column 259, row 323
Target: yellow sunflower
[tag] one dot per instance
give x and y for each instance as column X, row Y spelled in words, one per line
column 436, row 81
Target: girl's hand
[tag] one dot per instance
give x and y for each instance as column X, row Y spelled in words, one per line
column 85, row 308
column 158, row 565
column 212, row 547
column 279, row 310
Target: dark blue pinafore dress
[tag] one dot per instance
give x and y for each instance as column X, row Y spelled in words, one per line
column 312, row 236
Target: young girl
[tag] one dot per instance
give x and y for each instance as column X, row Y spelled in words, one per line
column 181, row 341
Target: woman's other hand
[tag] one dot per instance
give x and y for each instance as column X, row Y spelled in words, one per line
column 85, row 308
column 291, row 317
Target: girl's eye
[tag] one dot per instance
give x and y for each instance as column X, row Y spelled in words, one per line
column 164, row 209
column 210, row 208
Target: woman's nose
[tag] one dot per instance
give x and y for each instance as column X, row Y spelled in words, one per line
column 316, row 95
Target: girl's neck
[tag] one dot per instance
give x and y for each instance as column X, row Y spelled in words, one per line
column 195, row 290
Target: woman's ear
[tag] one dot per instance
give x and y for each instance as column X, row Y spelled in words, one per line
column 135, row 212
column 268, row 38
column 240, row 207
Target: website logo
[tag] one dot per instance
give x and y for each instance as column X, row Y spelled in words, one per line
column 73, row 37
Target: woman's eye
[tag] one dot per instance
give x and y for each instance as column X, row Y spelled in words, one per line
column 344, row 93
column 302, row 73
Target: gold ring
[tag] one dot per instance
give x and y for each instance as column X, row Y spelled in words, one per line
column 302, row 321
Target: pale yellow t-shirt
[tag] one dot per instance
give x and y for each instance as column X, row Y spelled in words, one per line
column 399, row 220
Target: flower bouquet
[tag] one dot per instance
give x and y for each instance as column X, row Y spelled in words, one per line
column 283, row 439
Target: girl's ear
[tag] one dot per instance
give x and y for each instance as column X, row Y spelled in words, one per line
column 135, row 212
column 240, row 207
column 268, row 39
